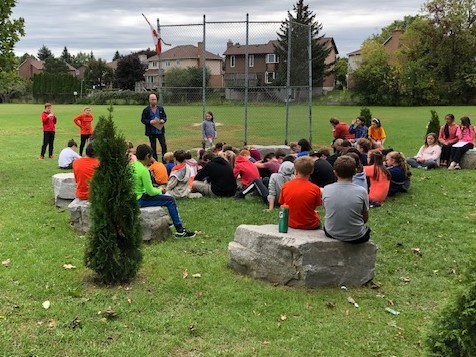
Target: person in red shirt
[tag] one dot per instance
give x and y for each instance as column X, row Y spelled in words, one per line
column 48, row 120
column 340, row 130
column 83, row 170
column 248, row 174
column 302, row 196
column 84, row 122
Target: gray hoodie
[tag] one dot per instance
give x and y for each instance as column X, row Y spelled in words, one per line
column 277, row 180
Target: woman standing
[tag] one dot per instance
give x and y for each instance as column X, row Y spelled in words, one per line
column 447, row 138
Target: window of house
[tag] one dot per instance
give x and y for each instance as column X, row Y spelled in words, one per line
column 251, row 60
column 271, row 58
column 154, row 64
column 232, row 61
column 177, row 62
column 269, row 77
column 167, row 63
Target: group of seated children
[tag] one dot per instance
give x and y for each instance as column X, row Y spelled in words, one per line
column 358, row 130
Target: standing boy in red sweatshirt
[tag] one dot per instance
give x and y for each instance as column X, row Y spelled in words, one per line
column 48, row 120
column 84, row 122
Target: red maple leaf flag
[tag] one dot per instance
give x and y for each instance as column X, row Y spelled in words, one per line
column 155, row 36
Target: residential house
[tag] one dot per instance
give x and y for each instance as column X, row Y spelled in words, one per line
column 31, row 66
column 390, row 46
column 329, row 81
column 183, row 56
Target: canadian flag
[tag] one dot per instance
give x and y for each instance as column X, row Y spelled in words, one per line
column 155, row 36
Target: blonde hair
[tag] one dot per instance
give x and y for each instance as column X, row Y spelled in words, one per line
column 401, row 161
column 169, row 156
column 230, row 156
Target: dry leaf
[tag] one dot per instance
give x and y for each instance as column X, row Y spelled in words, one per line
column 46, row 304
column 417, row 251
column 185, row 274
column 69, row 266
column 129, row 301
column 197, row 275
column 283, row 317
column 405, row 279
column 52, row 323
column 266, row 342
column 352, row 301
column 108, row 314
column 6, row 263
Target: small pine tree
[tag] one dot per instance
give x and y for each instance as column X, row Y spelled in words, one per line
column 453, row 333
column 113, row 248
column 365, row 112
column 434, row 123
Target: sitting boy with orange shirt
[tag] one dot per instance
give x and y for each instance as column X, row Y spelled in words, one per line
column 302, row 196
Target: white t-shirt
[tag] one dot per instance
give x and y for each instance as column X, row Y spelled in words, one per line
column 66, row 157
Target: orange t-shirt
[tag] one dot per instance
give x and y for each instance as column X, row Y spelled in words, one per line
column 84, row 122
column 302, row 197
column 83, row 169
column 378, row 188
column 159, row 171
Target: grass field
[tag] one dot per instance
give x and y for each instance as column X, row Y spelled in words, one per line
column 162, row 313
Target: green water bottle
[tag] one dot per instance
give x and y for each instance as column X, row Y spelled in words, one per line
column 283, row 218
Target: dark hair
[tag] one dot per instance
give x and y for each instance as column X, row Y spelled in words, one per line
column 376, row 159
column 227, row 147
column 180, row 155
column 142, row 151
column 377, row 121
column 334, row 121
column 289, row 158
column 71, row 143
column 280, row 153
column 208, row 156
column 386, row 151
column 346, row 143
column 304, row 144
column 323, row 151
column 356, row 157
column 434, row 137
column 219, row 146
column 345, row 167
column 268, row 156
column 465, row 121
column 365, row 144
column 200, row 154
column 446, row 130
column 211, row 114
column 353, row 150
column 361, row 118
column 188, row 155
column 90, row 150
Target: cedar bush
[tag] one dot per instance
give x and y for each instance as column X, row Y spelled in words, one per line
column 113, row 247
column 365, row 112
column 453, row 333
column 434, row 123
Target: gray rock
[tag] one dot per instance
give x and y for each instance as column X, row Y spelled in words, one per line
column 64, row 187
column 300, row 257
column 154, row 220
column 265, row 149
column 468, row 161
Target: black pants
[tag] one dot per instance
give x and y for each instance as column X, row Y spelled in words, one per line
column 48, row 140
column 153, row 145
column 362, row 239
column 259, row 187
column 457, row 153
column 445, row 153
column 84, row 139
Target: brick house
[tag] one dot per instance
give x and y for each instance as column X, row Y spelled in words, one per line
column 183, row 56
column 31, row 66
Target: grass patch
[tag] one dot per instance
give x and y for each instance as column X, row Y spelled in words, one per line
column 221, row 313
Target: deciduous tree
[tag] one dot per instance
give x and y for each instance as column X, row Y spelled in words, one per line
column 129, row 71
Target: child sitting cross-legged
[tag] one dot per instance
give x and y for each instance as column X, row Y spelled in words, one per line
column 178, row 185
column 302, row 196
column 346, row 205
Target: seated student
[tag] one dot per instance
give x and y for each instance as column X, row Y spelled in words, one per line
column 346, row 205
column 191, row 163
column 323, row 173
column 363, row 145
column 465, row 142
column 428, row 157
column 277, row 180
column 149, row 196
column 302, row 196
column 340, row 130
column 340, row 148
column 358, row 128
column 269, row 165
column 294, row 147
column 178, row 185
column 68, row 155
column 304, row 147
column 254, row 153
column 379, row 178
column 230, row 156
column 215, row 178
column 248, row 175
column 359, row 177
column 447, row 137
column 83, row 170
column 377, row 133
column 158, row 172
column 399, row 171
column 169, row 161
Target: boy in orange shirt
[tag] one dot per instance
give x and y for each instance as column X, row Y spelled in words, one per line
column 84, row 122
column 302, row 196
column 83, row 169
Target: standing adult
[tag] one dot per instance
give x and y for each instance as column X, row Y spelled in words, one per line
column 154, row 119
column 84, row 122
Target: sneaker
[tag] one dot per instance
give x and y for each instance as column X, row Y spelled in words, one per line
column 457, row 167
column 185, row 234
column 422, row 167
column 41, row 158
column 51, row 156
column 452, row 166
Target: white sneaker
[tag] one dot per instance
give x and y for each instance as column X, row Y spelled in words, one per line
column 452, row 166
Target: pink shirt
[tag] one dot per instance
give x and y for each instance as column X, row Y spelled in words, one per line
column 432, row 152
column 466, row 135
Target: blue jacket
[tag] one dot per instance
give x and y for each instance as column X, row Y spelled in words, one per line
column 358, row 131
column 148, row 115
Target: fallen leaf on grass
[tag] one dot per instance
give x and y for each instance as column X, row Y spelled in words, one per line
column 129, row 301
column 6, row 263
column 405, row 279
column 352, row 301
column 197, row 275
column 46, row 304
column 283, row 317
column 417, row 251
column 192, row 329
column 52, row 323
column 108, row 314
column 69, row 266
column 185, row 274
column 266, row 342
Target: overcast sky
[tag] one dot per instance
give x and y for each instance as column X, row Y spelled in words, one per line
column 104, row 26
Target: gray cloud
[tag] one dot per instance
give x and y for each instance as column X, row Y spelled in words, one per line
column 104, row 26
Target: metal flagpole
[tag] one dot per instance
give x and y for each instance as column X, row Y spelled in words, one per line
column 161, row 97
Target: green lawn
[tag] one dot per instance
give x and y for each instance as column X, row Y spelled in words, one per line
column 222, row 313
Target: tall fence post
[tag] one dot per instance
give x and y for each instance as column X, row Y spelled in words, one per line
column 246, row 79
column 204, row 70
column 161, row 89
column 288, row 80
column 309, row 45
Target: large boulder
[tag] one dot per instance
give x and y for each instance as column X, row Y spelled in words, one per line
column 300, row 257
column 64, row 187
column 468, row 161
column 266, row 149
column 154, row 220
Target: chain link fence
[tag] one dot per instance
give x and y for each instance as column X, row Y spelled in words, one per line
column 255, row 74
